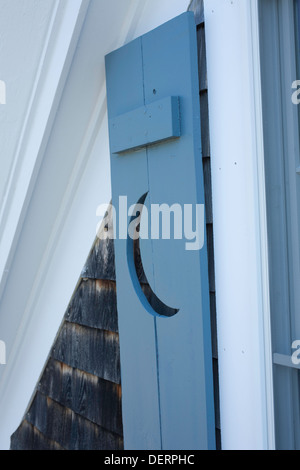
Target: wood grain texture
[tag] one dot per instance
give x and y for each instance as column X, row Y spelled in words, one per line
column 56, row 422
column 95, row 305
column 29, row 437
column 90, row 350
column 93, row 398
column 101, row 262
column 77, row 403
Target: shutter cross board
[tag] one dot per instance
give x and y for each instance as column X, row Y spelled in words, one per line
column 147, row 125
column 166, row 360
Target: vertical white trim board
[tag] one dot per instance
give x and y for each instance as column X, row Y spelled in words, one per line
column 240, row 238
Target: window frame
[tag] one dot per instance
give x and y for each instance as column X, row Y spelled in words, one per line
column 281, row 139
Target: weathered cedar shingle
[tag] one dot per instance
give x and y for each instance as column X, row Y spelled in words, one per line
column 95, row 305
column 77, row 403
column 101, row 261
column 204, row 124
column 213, row 317
column 208, row 190
column 210, row 250
column 105, row 270
column 58, row 423
column 93, row 398
column 29, row 437
column 90, row 350
column 202, row 58
column 217, row 398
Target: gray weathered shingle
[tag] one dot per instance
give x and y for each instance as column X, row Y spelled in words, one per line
column 77, row 403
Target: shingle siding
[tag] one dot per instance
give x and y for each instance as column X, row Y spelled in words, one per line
column 77, row 403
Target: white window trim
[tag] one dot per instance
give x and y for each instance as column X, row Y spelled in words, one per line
column 282, row 160
column 240, row 225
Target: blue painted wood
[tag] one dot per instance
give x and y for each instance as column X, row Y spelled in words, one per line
column 297, row 14
column 141, row 421
column 146, row 125
column 181, row 276
column 172, row 355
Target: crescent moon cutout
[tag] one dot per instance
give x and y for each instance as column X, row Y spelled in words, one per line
column 143, row 288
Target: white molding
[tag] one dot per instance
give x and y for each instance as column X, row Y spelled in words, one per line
column 60, row 43
column 240, row 228
column 263, row 229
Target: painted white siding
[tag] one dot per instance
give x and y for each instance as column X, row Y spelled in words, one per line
column 23, row 31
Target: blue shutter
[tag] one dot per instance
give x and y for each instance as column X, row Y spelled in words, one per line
column 154, row 126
